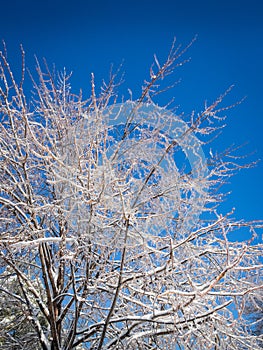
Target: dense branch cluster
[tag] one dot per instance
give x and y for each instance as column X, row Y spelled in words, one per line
column 109, row 233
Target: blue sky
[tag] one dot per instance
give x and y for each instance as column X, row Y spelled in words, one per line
column 88, row 36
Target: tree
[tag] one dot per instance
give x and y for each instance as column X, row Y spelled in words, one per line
column 254, row 313
column 110, row 231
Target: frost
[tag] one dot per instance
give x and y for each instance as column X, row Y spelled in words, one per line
column 109, row 232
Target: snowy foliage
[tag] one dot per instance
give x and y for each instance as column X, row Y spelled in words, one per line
column 109, row 233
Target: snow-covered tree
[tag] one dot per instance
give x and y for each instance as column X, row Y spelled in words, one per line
column 110, row 232
column 254, row 313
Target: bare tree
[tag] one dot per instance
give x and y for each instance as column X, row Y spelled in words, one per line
column 110, row 234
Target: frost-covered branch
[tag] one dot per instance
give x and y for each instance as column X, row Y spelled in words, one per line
column 111, row 235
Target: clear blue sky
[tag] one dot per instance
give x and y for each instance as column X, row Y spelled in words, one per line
column 87, row 36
